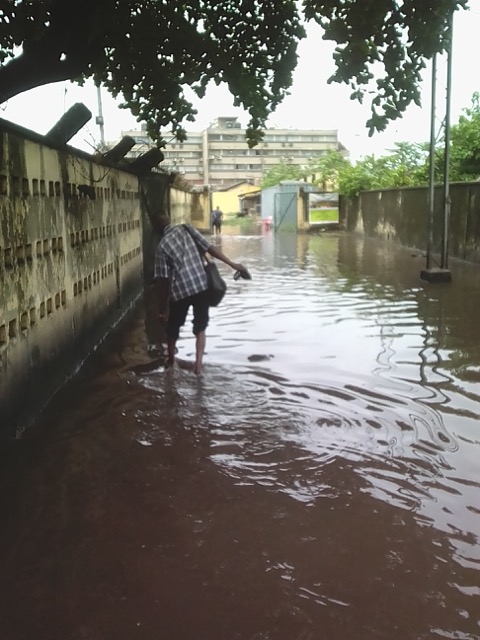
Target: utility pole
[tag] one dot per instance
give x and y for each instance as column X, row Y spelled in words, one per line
column 99, row 119
column 442, row 273
column 446, row 168
column 431, row 180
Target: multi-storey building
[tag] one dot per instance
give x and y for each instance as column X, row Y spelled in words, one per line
column 219, row 155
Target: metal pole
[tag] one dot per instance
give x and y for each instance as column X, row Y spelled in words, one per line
column 446, row 175
column 431, row 190
column 210, row 205
column 99, row 119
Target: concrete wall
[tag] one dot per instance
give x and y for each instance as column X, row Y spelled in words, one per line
column 401, row 215
column 200, row 210
column 70, row 265
column 180, row 206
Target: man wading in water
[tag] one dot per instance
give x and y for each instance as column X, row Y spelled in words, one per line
column 217, row 217
column 182, row 283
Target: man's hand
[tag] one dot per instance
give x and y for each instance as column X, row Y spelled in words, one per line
column 241, row 272
column 238, row 266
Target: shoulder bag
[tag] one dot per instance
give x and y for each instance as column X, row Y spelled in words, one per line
column 217, row 287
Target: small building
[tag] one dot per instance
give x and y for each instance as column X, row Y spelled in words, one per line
column 228, row 198
column 251, row 203
column 289, row 206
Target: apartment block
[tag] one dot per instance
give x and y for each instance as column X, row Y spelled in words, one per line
column 219, row 155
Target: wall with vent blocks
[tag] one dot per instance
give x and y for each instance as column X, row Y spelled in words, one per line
column 70, row 265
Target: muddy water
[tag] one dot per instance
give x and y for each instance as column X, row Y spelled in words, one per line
column 320, row 480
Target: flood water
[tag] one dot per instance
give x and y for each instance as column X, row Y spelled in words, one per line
column 319, row 480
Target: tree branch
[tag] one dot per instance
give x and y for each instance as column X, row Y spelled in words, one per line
column 63, row 51
column 34, row 69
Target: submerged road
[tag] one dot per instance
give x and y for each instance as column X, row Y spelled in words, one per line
column 319, row 480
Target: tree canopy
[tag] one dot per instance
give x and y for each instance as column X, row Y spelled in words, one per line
column 325, row 169
column 284, row 170
column 147, row 51
column 465, row 144
column 406, row 165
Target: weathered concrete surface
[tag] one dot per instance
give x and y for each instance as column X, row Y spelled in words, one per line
column 70, row 264
column 401, row 215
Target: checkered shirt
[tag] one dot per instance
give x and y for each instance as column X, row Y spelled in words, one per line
column 178, row 259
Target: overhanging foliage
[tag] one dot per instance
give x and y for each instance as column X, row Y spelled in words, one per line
column 149, row 50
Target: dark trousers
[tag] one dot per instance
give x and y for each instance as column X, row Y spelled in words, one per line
column 178, row 310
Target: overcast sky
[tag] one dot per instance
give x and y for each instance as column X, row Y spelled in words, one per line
column 312, row 103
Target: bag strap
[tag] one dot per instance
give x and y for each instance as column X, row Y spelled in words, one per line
column 201, row 252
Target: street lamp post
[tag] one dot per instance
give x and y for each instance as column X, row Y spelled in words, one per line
column 442, row 273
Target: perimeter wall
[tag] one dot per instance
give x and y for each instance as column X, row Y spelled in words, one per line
column 401, row 215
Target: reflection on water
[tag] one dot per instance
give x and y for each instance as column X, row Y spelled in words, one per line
column 319, row 480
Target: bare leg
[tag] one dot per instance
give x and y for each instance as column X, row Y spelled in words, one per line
column 200, row 349
column 171, row 342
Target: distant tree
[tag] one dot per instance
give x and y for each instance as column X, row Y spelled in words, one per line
column 325, row 169
column 148, row 50
column 464, row 162
column 405, row 166
column 465, row 144
column 353, row 179
column 284, row 170
column 412, row 156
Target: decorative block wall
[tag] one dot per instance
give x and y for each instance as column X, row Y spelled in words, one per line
column 70, row 264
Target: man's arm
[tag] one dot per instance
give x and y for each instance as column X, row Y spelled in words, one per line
column 214, row 251
column 217, row 253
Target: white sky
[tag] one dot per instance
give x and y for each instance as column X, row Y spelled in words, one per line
column 312, row 103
